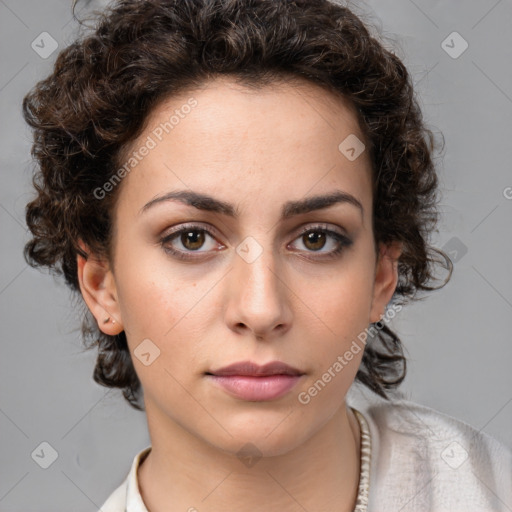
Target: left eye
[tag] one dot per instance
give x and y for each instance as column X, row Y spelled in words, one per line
column 316, row 239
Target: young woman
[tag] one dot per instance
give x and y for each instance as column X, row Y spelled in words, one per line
column 242, row 191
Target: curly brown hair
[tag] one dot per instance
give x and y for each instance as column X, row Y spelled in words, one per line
column 105, row 84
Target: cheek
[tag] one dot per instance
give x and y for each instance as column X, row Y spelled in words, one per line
column 164, row 306
column 337, row 352
column 341, row 307
column 340, row 300
column 147, row 306
column 162, row 310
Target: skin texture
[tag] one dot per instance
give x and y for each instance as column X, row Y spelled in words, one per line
column 254, row 149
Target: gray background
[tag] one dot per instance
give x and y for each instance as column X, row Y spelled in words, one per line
column 457, row 340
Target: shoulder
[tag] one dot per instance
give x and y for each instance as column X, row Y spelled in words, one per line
column 127, row 494
column 423, row 459
column 116, row 502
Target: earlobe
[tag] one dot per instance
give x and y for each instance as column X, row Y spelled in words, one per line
column 98, row 289
column 386, row 278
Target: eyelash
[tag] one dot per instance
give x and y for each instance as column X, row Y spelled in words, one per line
column 343, row 241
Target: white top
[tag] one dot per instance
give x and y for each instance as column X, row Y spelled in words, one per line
column 421, row 461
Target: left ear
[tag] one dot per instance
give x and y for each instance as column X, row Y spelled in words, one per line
column 386, row 278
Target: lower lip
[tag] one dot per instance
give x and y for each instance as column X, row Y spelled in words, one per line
column 256, row 389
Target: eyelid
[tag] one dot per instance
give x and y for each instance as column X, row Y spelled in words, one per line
column 311, row 226
column 208, row 228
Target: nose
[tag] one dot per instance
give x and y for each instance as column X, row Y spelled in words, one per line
column 258, row 296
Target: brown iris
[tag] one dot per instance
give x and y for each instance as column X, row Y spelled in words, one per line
column 315, row 239
column 195, row 237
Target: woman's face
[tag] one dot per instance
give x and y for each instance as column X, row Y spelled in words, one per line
column 261, row 273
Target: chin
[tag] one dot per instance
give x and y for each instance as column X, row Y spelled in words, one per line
column 261, row 434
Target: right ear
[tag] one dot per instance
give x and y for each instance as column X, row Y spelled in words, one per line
column 98, row 288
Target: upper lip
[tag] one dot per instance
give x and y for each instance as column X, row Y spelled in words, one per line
column 249, row 368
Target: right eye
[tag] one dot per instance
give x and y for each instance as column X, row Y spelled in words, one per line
column 186, row 240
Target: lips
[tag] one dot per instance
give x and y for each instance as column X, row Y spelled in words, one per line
column 248, row 381
column 250, row 369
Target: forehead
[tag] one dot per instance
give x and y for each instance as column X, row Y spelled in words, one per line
column 275, row 140
column 223, row 100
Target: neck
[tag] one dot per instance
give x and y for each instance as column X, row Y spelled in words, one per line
column 186, row 473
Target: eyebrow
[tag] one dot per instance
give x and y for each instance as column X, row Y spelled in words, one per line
column 289, row 209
